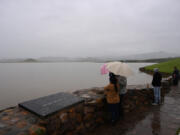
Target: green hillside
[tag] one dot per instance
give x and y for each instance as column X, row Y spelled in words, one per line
column 165, row 67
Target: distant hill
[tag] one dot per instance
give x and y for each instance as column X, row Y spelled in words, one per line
column 30, row 60
column 20, row 60
column 68, row 59
column 144, row 57
column 152, row 60
column 11, row 60
column 152, row 55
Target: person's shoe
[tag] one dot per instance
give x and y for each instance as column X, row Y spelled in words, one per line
column 154, row 104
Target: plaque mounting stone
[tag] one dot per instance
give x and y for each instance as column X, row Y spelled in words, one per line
column 51, row 104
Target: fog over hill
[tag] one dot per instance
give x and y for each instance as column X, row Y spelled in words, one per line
column 143, row 56
column 151, row 55
column 140, row 56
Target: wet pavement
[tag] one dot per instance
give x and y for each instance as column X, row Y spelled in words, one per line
column 154, row 120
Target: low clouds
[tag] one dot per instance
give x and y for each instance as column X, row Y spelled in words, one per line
column 36, row 28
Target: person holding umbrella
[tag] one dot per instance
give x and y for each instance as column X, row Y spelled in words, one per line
column 122, row 82
column 112, row 98
column 120, row 71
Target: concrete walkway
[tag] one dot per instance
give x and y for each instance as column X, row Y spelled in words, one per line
column 154, row 120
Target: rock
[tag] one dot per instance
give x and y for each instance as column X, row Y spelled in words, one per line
column 79, row 117
column 135, row 97
column 72, row 110
column 146, row 103
column 79, row 128
column 72, row 115
column 24, row 112
column 64, row 117
column 2, row 125
column 126, row 111
column 99, row 120
column 12, row 131
column 8, row 110
column 5, row 118
column 79, row 108
column 127, row 106
column 42, row 123
column 89, row 109
column 37, row 130
column 70, row 133
column 21, row 124
column 88, row 125
column 22, row 134
column 14, row 120
column 31, row 119
column 137, row 102
column 88, row 116
column 2, row 132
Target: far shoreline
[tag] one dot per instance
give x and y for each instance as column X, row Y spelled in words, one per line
column 93, row 60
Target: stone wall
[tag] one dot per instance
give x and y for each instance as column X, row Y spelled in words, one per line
column 78, row 119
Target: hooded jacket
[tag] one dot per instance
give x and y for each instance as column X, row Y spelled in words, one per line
column 157, row 77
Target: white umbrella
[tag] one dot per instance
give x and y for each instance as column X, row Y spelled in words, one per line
column 119, row 68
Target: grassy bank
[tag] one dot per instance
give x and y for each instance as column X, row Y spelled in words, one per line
column 165, row 67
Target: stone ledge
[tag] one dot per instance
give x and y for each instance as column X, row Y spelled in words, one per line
column 77, row 119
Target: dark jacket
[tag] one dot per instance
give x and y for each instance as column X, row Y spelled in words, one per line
column 157, row 77
column 175, row 74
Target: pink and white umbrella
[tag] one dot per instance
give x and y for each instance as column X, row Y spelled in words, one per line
column 104, row 69
column 118, row 68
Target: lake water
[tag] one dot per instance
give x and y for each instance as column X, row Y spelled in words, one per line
column 24, row 81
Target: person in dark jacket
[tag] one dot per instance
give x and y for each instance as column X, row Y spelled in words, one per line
column 156, row 82
column 175, row 76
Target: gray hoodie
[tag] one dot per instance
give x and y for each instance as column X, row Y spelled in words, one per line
column 122, row 81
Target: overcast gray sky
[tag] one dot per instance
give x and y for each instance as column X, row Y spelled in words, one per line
column 36, row 28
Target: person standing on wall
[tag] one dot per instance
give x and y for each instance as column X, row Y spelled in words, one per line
column 156, row 82
column 175, row 76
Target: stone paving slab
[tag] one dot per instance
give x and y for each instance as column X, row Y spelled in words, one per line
column 48, row 105
column 155, row 120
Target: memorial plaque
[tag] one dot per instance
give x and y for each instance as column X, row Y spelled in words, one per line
column 51, row 104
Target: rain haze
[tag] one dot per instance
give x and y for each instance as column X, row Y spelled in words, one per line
column 78, row 28
column 52, row 46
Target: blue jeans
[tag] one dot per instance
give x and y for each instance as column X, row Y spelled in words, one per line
column 157, row 95
column 114, row 110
